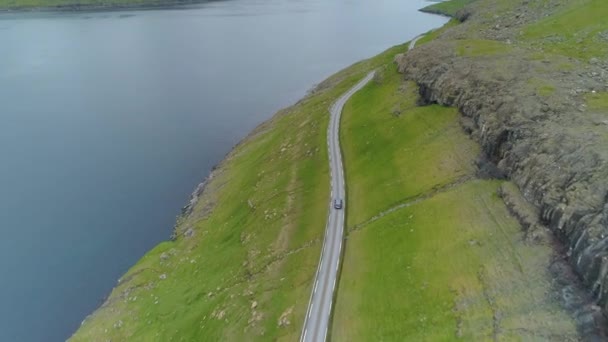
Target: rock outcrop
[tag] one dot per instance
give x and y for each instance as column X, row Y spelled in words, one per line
column 552, row 146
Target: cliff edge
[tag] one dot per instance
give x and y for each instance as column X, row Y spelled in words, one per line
column 530, row 79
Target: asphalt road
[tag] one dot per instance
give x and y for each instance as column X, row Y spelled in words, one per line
column 319, row 308
column 318, row 315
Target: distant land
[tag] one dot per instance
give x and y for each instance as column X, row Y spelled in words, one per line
column 83, row 5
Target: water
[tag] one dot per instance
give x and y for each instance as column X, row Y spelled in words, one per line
column 109, row 120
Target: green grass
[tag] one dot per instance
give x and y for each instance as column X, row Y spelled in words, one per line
column 383, row 148
column 442, row 270
column 449, row 263
column 434, row 34
column 597, row 101
column 448, row 8
column 443, row 266
column 240, row 255
column 542, row 87
column 480, row 47
column 202, row 288
column 574, row 31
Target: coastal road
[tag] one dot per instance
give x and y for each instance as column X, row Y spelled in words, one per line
column 319, row 308
column 318, row 315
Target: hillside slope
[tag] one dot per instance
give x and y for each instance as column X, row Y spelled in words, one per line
column 460, row 171
column 247, row 247
column 433, row 253
column 531, row 81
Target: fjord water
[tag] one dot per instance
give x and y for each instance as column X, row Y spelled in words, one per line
column 108, row 120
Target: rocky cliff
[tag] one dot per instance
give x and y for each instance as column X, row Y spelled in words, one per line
column 536, row 111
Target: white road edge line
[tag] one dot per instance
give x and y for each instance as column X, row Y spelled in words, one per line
column 340, row 102
column 331, row 141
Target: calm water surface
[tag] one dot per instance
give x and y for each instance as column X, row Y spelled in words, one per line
column 109, row 120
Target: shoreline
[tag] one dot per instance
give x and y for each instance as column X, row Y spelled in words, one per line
column 83, row 11
column 99, row 8
column 181, row 230
column 168, row 5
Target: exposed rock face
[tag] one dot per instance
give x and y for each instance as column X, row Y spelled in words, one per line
column 552, row 147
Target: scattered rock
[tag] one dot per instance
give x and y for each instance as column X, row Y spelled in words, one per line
column 398, row 57
column 284, row 319
column 194, row 197
column 189, row 233
column 164, row 256
column 218, row 314
column 256, row 316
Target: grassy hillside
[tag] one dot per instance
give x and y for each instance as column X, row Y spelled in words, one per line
column 432, row 253
column 576, row 30
column 531, row 81
column 242, row 265
column 448, row 8
column 396, row 151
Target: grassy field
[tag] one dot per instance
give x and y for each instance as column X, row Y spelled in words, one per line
column 444, row 260
column 242, row 265
column 394, row 150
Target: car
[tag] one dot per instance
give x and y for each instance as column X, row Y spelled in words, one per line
column 338, row 203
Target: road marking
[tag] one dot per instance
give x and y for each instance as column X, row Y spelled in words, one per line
column 337, row 188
